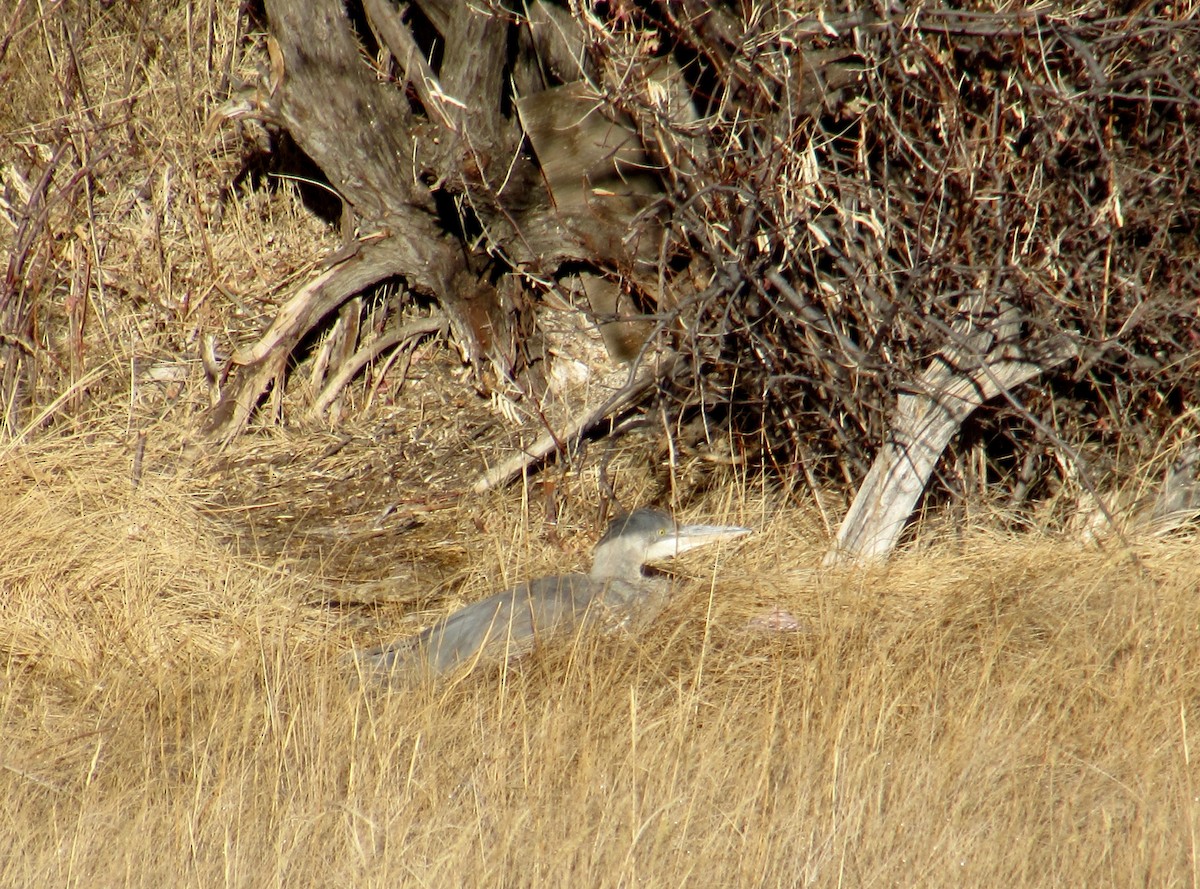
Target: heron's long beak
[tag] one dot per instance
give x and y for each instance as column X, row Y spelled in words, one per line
column 689, row 537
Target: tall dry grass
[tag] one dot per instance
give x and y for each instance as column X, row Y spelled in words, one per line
column 159, row 230
column 992, row 712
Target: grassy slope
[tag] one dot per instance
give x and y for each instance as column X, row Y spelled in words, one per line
column 1022, row 714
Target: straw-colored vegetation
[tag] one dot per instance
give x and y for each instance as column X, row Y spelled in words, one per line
column 992, row 711
column 174, row 709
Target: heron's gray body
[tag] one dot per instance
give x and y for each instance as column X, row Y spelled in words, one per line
column 507, row 624
column 510, row 623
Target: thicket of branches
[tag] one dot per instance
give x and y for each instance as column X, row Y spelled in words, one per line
column 975, row 165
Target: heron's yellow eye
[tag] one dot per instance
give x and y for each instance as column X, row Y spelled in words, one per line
column 662, row 532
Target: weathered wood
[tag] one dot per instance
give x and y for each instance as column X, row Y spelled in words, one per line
column 922, row 428
column 361, row 133
column 391, row 31
column 262, row 363
column 569, row 435
column 473, row 70
column 356, row 129
column 379, row 153
column 369, row 353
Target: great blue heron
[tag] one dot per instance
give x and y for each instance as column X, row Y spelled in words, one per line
column 616, row 592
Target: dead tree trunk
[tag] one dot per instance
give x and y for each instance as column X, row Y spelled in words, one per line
column 984, row 365
column 359, row 132
column 387, row 152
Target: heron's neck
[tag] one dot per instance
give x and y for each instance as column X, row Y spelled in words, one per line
column 612, row 564
column 608, row 574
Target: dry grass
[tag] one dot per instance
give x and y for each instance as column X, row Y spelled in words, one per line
column 166, row 240
column 1011, row 712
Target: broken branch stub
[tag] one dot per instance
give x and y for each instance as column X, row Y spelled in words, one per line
column 920, row 431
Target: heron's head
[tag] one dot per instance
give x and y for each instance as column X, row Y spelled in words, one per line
column 650, row 535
